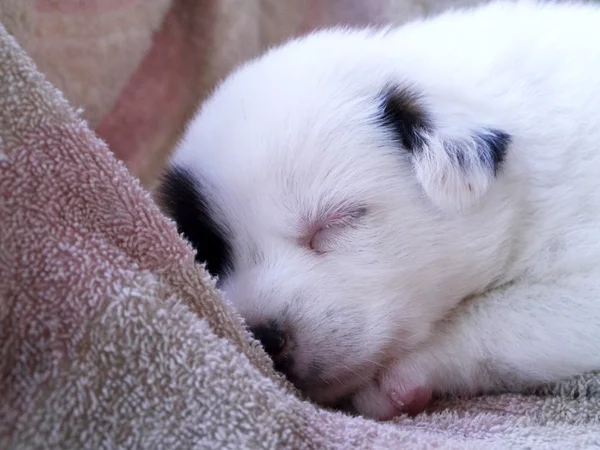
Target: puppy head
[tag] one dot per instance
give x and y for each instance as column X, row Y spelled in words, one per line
column 341, row 215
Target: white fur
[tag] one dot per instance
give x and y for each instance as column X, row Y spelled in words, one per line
column 459, row 290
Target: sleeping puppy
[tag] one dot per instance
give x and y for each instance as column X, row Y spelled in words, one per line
column 408, row 211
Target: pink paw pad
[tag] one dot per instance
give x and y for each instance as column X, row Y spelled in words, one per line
column 412, row 402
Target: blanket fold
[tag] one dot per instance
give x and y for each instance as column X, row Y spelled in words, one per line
column 112, row 337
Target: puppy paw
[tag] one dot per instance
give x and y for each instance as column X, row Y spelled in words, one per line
column 402, row 389
column 372, row 402
column 407, row 385
column 410, row 400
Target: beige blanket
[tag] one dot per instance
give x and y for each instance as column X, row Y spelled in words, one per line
column 110, row 335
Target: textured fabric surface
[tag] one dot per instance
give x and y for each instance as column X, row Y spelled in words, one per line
column 110, row 335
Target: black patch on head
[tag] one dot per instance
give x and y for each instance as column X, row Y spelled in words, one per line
column 403, row 114
column 493, row 148
column 184, row 201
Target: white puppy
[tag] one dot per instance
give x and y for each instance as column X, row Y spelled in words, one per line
column 409, row 210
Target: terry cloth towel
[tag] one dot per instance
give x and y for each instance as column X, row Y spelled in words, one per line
column 112, row 337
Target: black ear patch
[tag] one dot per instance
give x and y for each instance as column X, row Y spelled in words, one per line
column 492, row 147
column 403, row 113
column 455, row 166
column 404, row 116
column 184, row 201
column 485, row 148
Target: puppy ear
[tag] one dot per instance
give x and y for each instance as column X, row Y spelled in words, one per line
column 455, row 166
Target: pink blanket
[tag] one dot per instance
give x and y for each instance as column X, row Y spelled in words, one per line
column 110, row 335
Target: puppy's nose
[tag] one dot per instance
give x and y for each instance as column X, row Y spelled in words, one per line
column 272, row 338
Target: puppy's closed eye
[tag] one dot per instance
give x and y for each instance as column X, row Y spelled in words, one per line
column 325, row 232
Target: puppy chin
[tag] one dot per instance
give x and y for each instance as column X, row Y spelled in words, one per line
column 337, row 390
